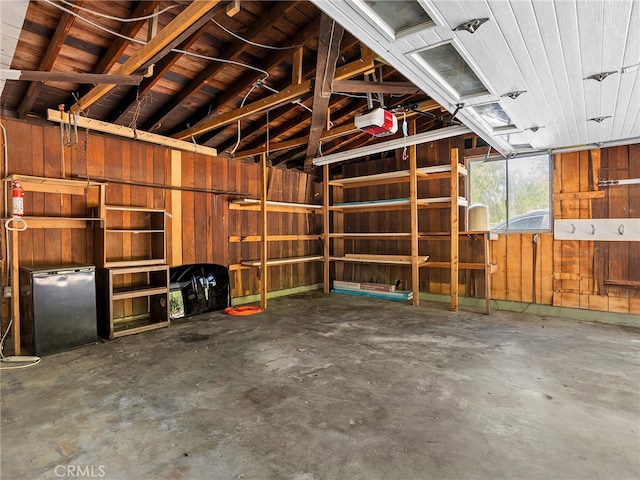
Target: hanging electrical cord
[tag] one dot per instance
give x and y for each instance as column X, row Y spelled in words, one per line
column 297, row 102
column 119, row 19
column 255, row 44
column 140, row 42
column 23, row 361
column 405, row 134
column 253, row 87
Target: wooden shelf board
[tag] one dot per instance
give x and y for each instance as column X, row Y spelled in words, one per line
column 273, row 238
column 462, row 266
column 134, row 230
column 139, row 291
column 52, row 185
column 379, row 235
column 373, row 205
column 123, row 208
column 384, row 259
column 58, row 222
column 123, row 328
column 433, row 172
column 447, row 235
column 440, row 202
column 284, row 261
column 253, row 204
column 369, row 180
column 141, row 269
column 133, row 263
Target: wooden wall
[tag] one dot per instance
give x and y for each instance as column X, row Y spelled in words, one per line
column 532, row 268
column 199, row 222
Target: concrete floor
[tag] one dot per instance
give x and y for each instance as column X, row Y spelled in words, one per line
column 334, row 387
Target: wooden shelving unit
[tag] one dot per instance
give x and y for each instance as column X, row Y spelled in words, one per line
column 143, row 228
column 94, row 193
column 415, row 258
column 133, row 299
column 265, row 207
column 133, row 282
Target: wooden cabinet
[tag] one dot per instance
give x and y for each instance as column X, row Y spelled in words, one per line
column 133, row 278
column 131, row 236
column 132, row 299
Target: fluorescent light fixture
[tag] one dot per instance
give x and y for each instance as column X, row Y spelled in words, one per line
column 397, row 17
column 453, row 69
column 425, row 137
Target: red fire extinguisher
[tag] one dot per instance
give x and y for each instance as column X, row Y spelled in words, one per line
column 17, row 196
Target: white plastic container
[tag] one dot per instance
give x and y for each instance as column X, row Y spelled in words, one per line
column 478, row 217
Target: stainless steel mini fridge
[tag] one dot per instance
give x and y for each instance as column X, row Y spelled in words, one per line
column 57, row 307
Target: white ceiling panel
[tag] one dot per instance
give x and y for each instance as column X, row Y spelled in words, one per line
column 546, row 48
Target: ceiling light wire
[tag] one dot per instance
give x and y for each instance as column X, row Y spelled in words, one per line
column 119, row 19
column 140, row 42
column 255, row 44
column 253, row 87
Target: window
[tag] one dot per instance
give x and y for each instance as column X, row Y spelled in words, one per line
column 399, row 16
column 445, row 61
column 515, row 190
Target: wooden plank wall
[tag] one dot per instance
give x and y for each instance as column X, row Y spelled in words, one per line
column 532, row 268
column 205, row 219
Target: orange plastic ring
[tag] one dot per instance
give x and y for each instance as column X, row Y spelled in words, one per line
column 242, row 311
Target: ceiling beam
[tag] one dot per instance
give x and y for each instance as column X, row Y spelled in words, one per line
column 130, row 29
column 291, row 93
column 346, row 129
column 251, row 76
column 70, row 77
column 233, row 52
column 162, row 67
column 286, row 95
column 192, row 13
column 361, row 86
column 49, row 58
column 126, row 132
column 326, row 61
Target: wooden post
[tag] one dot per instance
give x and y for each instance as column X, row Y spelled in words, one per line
column 15, row 291
column 487, row 271
column 454, row 229
column 263, row 231
column 296, row 68
column 325, row 227
column 413, row 196
column 176, row 208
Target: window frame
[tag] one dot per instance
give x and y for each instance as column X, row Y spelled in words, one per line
column 506, row 230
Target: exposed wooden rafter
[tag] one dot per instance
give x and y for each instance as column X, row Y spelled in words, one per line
column 361, row 86
column 161, row 68
column 287, row 95
column 48, row 60
column 126, row 132
column 182, row 22
column 71, row 77
column 237, row 48
column 130, row 29
column 328, row 51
